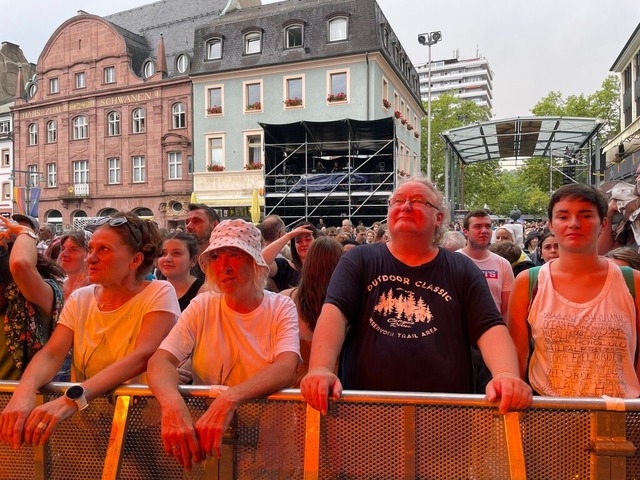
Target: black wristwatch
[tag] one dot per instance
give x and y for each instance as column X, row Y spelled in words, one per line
column 76, row 395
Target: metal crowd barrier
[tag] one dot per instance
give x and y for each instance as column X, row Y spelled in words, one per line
column 365, row 435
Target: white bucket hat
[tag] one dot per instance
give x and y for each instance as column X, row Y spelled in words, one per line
column 238, row 234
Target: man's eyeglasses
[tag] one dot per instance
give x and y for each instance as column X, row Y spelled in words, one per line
column 118, row 222
column 413, row 201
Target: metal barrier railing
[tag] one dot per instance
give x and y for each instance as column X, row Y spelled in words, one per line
column 365, row 435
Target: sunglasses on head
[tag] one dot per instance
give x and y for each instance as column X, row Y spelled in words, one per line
column 118, row 222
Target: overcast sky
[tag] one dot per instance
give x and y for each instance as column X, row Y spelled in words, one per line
column 532, row 47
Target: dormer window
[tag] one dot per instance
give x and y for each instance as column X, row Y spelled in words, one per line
column 293, row 36
column 338, row 29
column 252, row 43
column 214, row 49
column 149, row 69
column 182, row 63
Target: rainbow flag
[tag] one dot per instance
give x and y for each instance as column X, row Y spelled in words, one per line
column 19, row 197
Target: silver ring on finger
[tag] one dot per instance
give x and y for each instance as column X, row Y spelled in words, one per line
column 42, row 426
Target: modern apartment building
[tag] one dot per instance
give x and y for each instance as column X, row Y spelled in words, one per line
column 622, row 153
column 469, row 79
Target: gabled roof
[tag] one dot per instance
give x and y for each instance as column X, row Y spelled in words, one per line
column 520, row 137
column 176, row 20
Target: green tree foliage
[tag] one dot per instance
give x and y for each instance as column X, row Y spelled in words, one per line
column 447, row 113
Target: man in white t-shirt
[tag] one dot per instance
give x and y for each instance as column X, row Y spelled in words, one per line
column 497, row 271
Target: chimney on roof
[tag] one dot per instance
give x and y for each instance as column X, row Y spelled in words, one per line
column 20, row 84
column 82, row 12
column 161, row 62
column 239, row 5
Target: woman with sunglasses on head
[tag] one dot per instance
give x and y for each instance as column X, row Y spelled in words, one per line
column 113, row 325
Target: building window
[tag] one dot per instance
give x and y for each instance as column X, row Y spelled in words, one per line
column 182, row 63
column 138, row 121
column 80, row 80
column 51, row 131
column 338, row 29
column 253, row 149
column 214, row 49
column 33, row 177
column 214, row 100
column 6, row 191
column 385, row 93
column 179, row 115
column 149, row 69
column 113, row 124
column 252, row 43
column 54, row 85
column 385, row 37
column 139, row 170
column 175, row 165
column 5, row 127
column 6, row 158
column 216, row 151
column 253, row 97
column 113, row 167
column 293, row 92
column 109, row 75
column 338, row 86
column 80, row 128
column 81, row 172
column 33, row 134
column 52, row 175
column 293, row 36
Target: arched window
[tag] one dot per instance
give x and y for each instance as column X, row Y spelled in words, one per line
column 179, row 115
column 293, row 36
column 214, row 49
column 137, row 116
column 113, row 124
column 33, row 134
column 338, row 29
column 252, row 43
column 51, row 131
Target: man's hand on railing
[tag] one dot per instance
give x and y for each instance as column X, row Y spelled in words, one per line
column 514, row 394
column 179, row 436
column 317, row 386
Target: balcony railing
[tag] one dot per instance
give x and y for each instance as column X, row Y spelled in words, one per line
column 74, row 190
column 365, row 435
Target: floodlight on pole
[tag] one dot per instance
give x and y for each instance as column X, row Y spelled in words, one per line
column 429, row 39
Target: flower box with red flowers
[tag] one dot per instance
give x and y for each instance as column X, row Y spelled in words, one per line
column 293, row 102
column 215, row 109
column 253, row 166
column 416, row 134
column 254, row 106
column 215, row 168
column 386, row 103
column 397, row 114
column 338, row 97
column 403, row 121
column 409, row 127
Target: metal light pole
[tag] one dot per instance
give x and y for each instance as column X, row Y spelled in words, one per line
column 429, row 39
column 28, row 185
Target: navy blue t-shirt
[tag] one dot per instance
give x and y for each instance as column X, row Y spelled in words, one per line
column 411, row 328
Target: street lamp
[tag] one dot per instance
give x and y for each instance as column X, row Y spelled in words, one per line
column 429, row 39
column 29, row 184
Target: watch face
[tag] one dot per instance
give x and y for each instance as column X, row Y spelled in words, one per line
column 75, row 392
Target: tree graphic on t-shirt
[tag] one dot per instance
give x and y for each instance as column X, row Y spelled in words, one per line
column 403, row 311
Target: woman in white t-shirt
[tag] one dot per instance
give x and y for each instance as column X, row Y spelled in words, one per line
column 237, row 334
column 113, row 325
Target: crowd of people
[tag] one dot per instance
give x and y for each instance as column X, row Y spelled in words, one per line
column 409, row 304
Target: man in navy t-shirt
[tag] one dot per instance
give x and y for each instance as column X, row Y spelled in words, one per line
column 413, row 310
